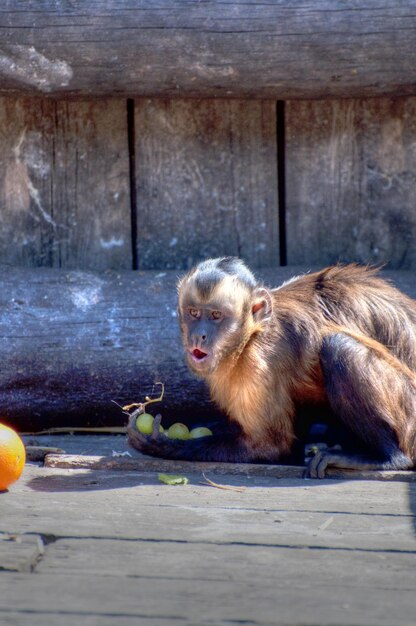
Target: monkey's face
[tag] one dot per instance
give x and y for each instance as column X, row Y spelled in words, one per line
column 217, row 318
column 210, row 333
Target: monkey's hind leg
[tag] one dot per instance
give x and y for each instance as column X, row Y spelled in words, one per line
column 375, row 399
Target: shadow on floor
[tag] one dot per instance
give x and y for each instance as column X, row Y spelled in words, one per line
column 97, row 480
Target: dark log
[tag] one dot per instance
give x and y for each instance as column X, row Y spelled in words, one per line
column 242, row 48
column 74, row 343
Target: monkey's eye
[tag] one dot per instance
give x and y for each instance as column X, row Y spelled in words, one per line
column 216, row 315
column 194, row 313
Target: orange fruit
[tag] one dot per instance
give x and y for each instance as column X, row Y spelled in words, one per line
column 12, row 456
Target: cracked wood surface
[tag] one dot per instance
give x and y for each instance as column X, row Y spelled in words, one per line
column 64, row 184
column 77, row 461
column 211, row 166
column 85, row 185
column 359, row 179
column 95, row 547
column 240, row 48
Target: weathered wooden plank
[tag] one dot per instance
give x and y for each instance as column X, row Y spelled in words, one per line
column 64, row 184
column 351, row 515
column 46, row 617
column 122, row 549
column 148, row 464
column 236, row 48
column 38, row 453
column 73, row 343
column 327, row 496
column 282, row 566
column 76, row 443
column 206, row 182
column 351, row 174
column 19, row 553
column 70, row 597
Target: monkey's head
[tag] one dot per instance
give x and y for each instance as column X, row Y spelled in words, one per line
column 220, row 307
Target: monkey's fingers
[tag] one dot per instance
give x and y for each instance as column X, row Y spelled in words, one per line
column 155, row 444
column 341, row 460
column 156, row 424
column 134, row 436
column 317, row 465
column 143, row 443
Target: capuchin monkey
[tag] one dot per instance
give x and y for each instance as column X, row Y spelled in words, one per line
column 341, row 340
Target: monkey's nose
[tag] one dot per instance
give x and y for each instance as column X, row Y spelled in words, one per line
column 198, row 340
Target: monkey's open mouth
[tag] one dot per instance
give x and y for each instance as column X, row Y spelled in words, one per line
column 199, row 354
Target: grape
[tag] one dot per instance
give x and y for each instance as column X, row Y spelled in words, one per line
column 200, row 431
column 178, row 431
column 144, row 423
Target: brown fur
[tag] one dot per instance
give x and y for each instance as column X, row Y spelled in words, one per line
column 260, row 384
column 341, row 338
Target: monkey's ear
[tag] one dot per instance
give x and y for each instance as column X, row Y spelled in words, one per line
column 262, row 306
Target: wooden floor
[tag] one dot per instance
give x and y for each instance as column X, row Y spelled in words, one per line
column 117, row 548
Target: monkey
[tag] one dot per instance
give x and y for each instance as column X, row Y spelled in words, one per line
column 340, row 340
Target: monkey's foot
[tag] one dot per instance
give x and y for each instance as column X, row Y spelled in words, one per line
column 330, row 458
column 321, row 461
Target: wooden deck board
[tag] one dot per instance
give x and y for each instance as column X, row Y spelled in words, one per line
column 120, row 547
column 146, row 464
column 302, row 602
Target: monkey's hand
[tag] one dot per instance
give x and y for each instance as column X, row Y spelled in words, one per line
column 155, row 444
column 227, row 447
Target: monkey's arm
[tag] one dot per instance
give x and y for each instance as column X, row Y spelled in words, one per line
column 229, row 447
column 374, row 396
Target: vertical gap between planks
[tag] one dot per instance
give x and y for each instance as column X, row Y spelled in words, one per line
column 281, row 178
column 131, row 134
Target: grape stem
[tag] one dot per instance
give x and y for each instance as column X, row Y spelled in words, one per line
column 140, row 406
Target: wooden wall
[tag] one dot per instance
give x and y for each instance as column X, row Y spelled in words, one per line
column 351, row 181
column 160, row 184
column 64, row 184
column 206, row 181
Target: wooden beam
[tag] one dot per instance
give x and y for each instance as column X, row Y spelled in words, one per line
column 75, row 343
column 146, row 464
column 240, row 48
